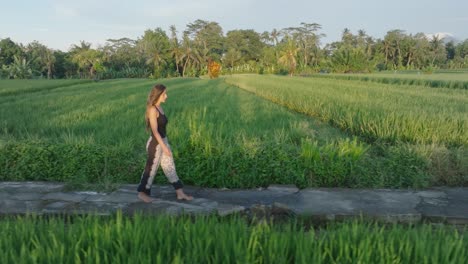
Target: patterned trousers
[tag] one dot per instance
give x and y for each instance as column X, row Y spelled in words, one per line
column 156, row 156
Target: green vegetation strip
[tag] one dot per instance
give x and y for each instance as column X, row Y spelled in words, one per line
column 208, row 239
column 436, row 81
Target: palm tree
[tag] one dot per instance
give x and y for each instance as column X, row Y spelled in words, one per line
column 89, row 60
column 388, row 50
column 156, row 58
column 288, row 56
column 347, row 37
column 175, row 51
column 437, row 48
column 275, row 34
column 308, row 40
column 82, row 47
column 361, row 38
column 153, row 54
column 155, row 46
column 409, row 48
column 80, row 55
column 232, row 56
column 41, row 58
column 188, row 54
column 394, row 39
column 48, row 59
column 265, row 37
column 369, row 46
column 421, row 51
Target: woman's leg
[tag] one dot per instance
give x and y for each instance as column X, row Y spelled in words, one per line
column 168, row 166
column 152, row 162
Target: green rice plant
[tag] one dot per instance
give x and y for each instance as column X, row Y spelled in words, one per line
column 380, row 112
column 381, row 115
column 209, row 239
column 448, row 166
column 332, row 164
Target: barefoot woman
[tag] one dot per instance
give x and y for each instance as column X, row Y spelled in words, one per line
column 157, row 147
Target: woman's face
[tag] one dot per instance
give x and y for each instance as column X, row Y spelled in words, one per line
column 163, row 97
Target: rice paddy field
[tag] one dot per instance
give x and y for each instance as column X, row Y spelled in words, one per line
column 164, row 239
column 239, row 131
column 451, row 79
column 17, row 87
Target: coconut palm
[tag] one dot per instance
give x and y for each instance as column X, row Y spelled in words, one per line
column 48, row 58
column 438, row 51
column 265, row 37
column 155, row 47
column 231, row 57
column 388, row 50
column 275, row 34
column 189, row 55
column 156, row 58
column 41, row 58
column 175, row 50
column 288, row 56
column 89, row 60
column 421, row 52
column 81, row 55
column 79, row 48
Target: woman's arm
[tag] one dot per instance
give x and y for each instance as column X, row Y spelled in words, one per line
column 153, row 115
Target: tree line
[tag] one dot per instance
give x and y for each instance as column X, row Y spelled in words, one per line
column 292, row 50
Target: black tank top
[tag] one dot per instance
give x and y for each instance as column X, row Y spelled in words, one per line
column 162, row 122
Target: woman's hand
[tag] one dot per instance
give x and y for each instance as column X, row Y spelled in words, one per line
column 166, row 151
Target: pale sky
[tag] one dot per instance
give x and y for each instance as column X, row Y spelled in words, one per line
column 61, row 23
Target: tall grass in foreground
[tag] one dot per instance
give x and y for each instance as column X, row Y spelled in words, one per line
column 164, row 239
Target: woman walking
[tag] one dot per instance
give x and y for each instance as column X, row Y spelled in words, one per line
column 157, row 147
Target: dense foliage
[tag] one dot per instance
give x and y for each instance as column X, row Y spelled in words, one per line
column 293, row 50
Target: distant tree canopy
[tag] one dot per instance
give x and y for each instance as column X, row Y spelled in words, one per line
column 8, row 50
column 291, row 50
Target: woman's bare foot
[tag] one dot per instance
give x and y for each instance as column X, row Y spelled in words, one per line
column 182, row 196
column 144, row 197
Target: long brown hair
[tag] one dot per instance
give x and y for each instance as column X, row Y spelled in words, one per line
column 153, row 97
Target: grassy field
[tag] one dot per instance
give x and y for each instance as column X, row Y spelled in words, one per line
column 163, row 239
column 309, row 132
column 455, row 80
column 454, row 76
column 431, row 123
column 375, row 112
column 442, row 76
column 16, row 87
